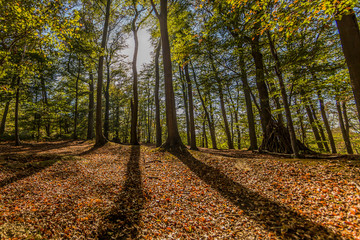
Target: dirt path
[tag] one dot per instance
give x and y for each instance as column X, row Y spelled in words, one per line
column 67, row 190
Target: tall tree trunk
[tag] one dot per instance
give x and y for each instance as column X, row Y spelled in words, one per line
column 314, row 128
column 284, row 96
column 3, row 120
column 343, row 129
column 173, row 141
column 107, row 102
column 205, row 144
column 248, row 103
column 207, row 115
column 46, row 103
column 191, row 110
column 90, row 129
column 326, row 123
column 222, row 104
column 238, row 132
column 186, row 106
column 76, row 102
column 17, row 101
column 321, row 130
column 135, row 101
column 157, row 101
column 346, row 119
column 350, row 41
column 100, row 139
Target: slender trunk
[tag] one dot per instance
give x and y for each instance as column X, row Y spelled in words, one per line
column 346, row 119
column 207, row 115
column 46, row 103
column 17, row 100
column 157, row 101
column 238, row 132
column 135, row 101
column 100, row 139
column 248, row 103
column 3, row 120
column 204, row 134
column 314, row 128
column 350, row 41
column 107, row 102
column 343, row 130
column 326, row 123
column 191, row 110
column 116, row 124
column 321, row 130
column 76, row 102
column 284, row 96
column 186, row 106
column 90, row 129
column 222, row 104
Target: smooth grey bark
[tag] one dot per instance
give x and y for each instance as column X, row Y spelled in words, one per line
column 191, row 110
column 156, row 93
column 346, row 137
column 326, row 123
column 100, row 138
column 76, row 102
column 90, row 128
column 107, row 102
column 186, row 106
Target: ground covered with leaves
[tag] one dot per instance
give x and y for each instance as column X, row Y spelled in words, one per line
column 69, row 190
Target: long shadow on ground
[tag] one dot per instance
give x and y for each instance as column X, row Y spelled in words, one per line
column 283, row 221
column 25, row 166
column 123, row 222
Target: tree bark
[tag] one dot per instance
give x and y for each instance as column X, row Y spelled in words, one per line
column 350, row 41
column 3, row 120
column 135, row 101
column 17, row 101
column 90, row 129
column 76, row 102
column 186, row 106
column 207, row 115
column 284, row 96
column 326, row 123
column 314, row 128
column 343, row 130
column 100, row 138
column 173, row 141
column 248, row 103
column 191, row 110
column 346, row 119
column 107, row 102
column 157, row 101
column 321, row 130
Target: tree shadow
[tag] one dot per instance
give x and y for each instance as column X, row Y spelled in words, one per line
column 123, row 222
column 24, row 166
column 284, row 222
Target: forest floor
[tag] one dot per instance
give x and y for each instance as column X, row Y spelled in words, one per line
column 69, row 190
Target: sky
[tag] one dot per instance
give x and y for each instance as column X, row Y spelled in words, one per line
column 145, row 48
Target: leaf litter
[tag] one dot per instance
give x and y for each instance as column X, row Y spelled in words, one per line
column 68, row 190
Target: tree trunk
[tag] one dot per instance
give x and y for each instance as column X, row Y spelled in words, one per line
column 90, row 129
column 314, row 128
column 3, row 120
column 191, row 110
column 107, row 102
column 284, row 96
column 135, row 101
column 326, row 123
column 17, row 101
column 350, row 41
column 157, row 101
column 343, row 130
column 173, row 141
column 46, row 103
column 100, row 139
column 76, row 102
column 346, row 119
column 186, row 106
column 321, row 130
column 222, row 104
column 205, row 143
column 248, row 103
column 207, row 115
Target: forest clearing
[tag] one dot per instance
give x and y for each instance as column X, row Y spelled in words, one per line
column 179, row 119
column 69, row 190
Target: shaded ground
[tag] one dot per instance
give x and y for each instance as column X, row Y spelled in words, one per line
column 68, row 190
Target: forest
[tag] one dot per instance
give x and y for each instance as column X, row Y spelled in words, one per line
column 243, row 123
